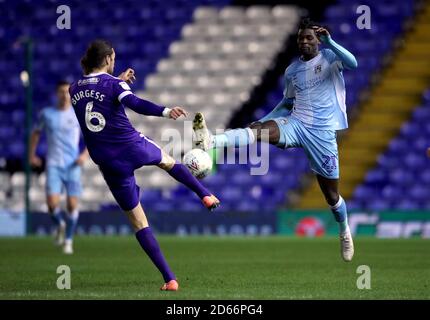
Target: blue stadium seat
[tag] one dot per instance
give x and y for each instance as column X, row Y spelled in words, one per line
column 403, row 172
column 151, row 27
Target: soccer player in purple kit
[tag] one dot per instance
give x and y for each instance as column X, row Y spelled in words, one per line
column 118, row 149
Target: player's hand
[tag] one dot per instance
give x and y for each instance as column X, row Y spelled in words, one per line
column 128, row 76
column 176, row 112
column 322, row 34
column 35, row 161
column 81, row 159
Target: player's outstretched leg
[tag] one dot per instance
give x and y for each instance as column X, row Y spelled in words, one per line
column 180, row 173
column 55, row 214
column 183, row 175
column 72, row 217
column 151, row 247
column 267, row 131
column 231, row 138
column 329, row 187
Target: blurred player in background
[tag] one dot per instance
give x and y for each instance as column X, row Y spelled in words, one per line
column 98, row 100
column 64, row 163
column 312, row 110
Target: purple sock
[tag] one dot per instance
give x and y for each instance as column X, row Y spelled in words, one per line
column 183, row 175
column 150, row 245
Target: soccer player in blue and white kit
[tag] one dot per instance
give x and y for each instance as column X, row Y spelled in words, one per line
column 64, row 163
column 98, row 100
column 311, row 111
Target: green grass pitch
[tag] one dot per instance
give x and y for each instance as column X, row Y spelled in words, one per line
column 216, row 268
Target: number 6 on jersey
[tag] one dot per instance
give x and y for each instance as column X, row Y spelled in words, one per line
column 91, row 115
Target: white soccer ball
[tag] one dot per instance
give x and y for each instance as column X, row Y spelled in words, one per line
column 198, row 162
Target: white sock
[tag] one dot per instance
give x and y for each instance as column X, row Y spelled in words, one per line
column 233, row 138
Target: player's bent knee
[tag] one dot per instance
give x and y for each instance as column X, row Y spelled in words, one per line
column 269, row 132
column 72, row 204
column 137, row 218
column 255, row 125
column 260, row 130
column 52, row 203
column 332, row 198
column 71, row 208
column 138, row 225
column 167, row 162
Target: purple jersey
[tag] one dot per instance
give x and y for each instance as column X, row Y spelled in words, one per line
column 96, row 99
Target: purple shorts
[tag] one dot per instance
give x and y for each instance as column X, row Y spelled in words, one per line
column 119, row 172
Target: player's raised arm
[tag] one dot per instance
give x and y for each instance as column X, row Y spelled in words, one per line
column 344, row 55
column 142, row 106
column 149, row 108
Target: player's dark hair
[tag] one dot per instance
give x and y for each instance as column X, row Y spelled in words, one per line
column 95, row 55
column 307, row 23
column 61, row 83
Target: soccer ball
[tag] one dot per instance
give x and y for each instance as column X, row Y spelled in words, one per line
column 198, row 162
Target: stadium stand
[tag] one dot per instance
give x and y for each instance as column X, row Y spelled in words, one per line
column 145, row 39
column 220, row 58
column 208, row 56
column 401, row 178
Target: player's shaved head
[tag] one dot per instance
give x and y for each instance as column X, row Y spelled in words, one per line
column 96, row 56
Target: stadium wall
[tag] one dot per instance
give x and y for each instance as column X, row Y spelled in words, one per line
column 301, row 223
column 383, row 224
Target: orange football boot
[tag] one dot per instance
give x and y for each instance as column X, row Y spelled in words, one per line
column 211, row 202
column 172, row 285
